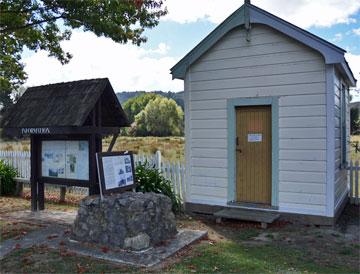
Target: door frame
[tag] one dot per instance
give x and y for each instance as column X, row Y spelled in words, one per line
column 231, row 123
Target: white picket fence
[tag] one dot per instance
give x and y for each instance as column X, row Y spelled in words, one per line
column 174, row 171
column 354, row 191
column 19, row 160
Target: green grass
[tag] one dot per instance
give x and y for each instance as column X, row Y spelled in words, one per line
column 247, row 234
column 229, row 257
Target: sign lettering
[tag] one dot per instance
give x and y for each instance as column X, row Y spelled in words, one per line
column 32, row 130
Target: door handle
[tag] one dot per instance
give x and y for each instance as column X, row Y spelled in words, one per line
column 237, row 143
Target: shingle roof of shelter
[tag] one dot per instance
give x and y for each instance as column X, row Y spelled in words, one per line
column 66, row 104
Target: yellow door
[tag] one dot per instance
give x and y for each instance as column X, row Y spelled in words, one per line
column 253, row 154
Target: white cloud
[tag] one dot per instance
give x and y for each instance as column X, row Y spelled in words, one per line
column 127, row 66
column 354, row 63
column 338, row 38
column 162, row 49
column 304, row 13
column 356, row 31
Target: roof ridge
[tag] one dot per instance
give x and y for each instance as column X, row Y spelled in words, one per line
column 70, row 82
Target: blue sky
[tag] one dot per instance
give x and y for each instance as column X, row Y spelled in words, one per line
column 147, row 67
column 183, row 37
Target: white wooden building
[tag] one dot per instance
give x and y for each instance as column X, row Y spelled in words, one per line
column 267, row 118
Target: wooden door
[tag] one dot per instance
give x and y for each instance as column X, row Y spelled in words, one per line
column 253, row 154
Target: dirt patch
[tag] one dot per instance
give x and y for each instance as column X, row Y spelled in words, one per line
column 41, row 259
column 16, row 229
column 349, row 221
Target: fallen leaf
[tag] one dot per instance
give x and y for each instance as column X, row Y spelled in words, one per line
column 104, row 249
column 53, row 236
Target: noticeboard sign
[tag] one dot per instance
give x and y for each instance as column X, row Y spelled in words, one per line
column 65, row 159
column 254, row 137
column 116, row 171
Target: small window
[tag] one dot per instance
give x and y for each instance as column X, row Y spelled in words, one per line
column 343, row 131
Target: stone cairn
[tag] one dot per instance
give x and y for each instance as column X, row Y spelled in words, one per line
column 130, row 220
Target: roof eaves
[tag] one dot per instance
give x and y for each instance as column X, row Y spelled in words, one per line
column 346, row 71
column 296, row 28
column 332, row 53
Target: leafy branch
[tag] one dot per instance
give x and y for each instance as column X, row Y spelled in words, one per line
column 44, row 24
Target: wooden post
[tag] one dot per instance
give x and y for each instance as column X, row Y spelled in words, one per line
column 112, row 143
column 62, row 193
column 41, row 196
column 33, row 172
column 94, row 188
column 97, row 147
column 40, row 185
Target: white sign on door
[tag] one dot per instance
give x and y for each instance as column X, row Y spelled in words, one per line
column 254, row 137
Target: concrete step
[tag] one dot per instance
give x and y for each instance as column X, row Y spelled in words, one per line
column 244, row 214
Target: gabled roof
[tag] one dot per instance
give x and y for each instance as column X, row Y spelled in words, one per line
column 66, row 105
column 331, row 53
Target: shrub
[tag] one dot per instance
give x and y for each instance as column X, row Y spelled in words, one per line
column 7, row 175
column 149, row 179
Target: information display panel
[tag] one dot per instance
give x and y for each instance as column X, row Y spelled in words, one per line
column 116, row 170
column 65, row 159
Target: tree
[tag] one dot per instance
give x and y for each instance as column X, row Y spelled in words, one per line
column 7, row 99
column 354, row 121
column 161, row 117
column 43, row 24
column 135, row 105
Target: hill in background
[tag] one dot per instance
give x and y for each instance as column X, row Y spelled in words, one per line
column 177, row 96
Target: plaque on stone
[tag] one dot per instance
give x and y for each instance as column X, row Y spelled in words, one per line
column 116, row 171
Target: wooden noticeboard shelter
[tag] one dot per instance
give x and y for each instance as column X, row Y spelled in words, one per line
column 65, row 122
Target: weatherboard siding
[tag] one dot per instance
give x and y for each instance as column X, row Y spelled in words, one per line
column 341, row 174
column 270, row 65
